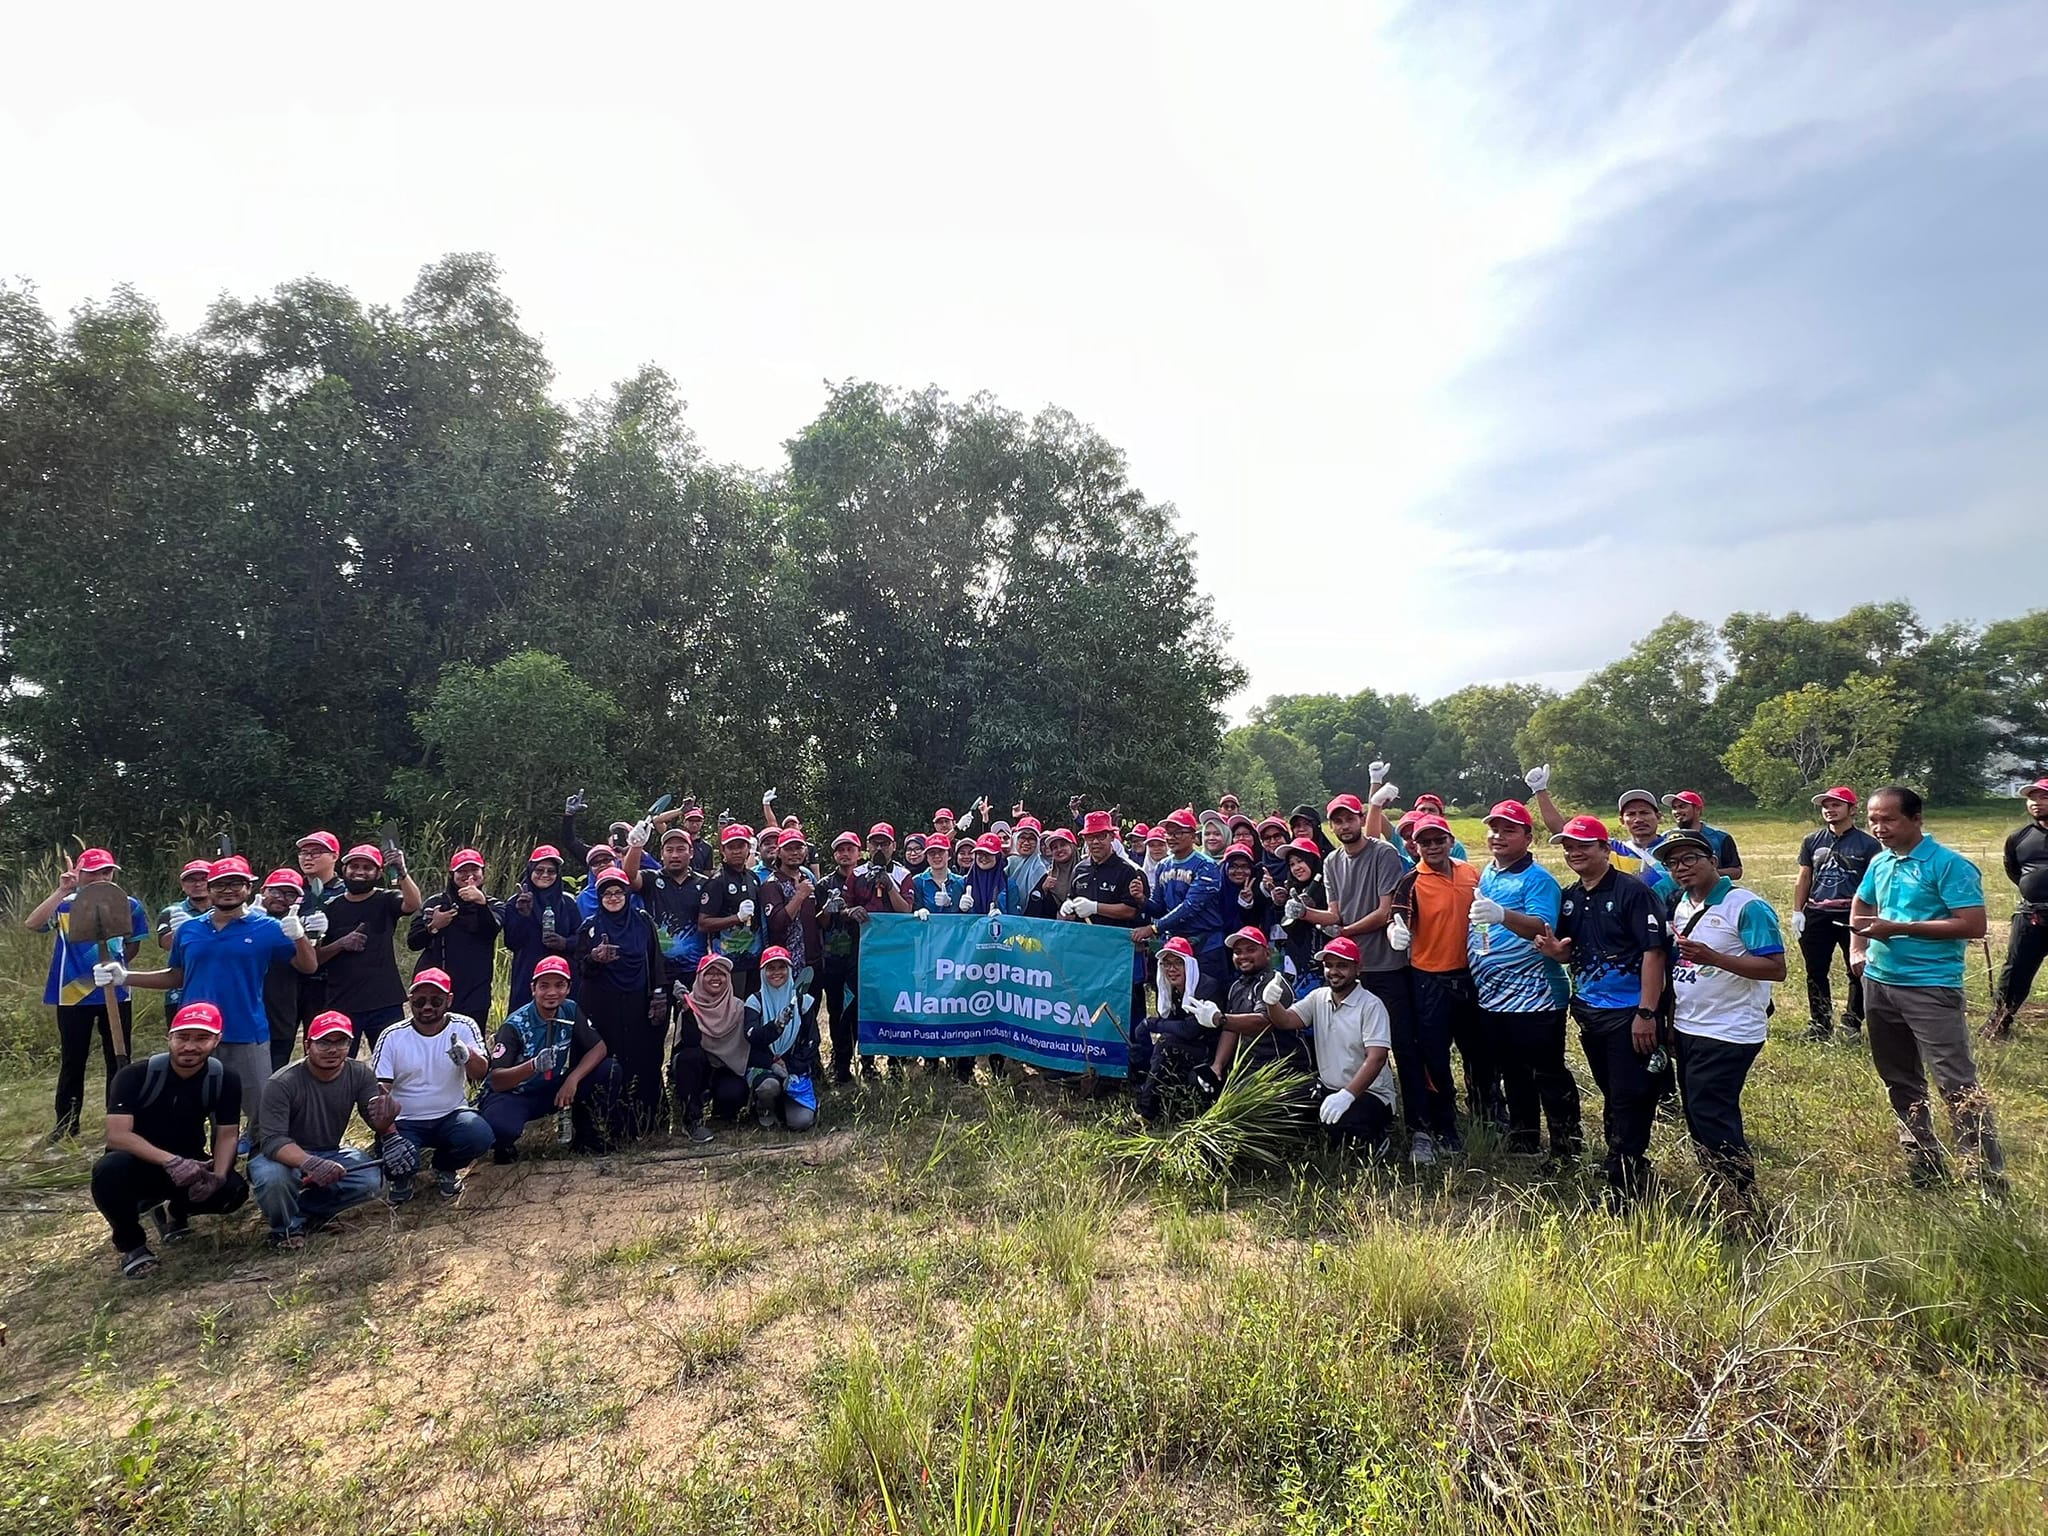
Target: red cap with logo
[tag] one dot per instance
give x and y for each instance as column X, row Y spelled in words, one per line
column 434, row 976
column 611, row 874
column 1097, row 822
column 1059, row 835
column 773, row 953
column 197, row 1016
column 543, row 852
column 284, row 877
column 1340, row 948
column 846, row 837
column 196, row 867
column 1415, row 826
column 1691, row 797
column 988, row 842
column 330, row 1023
column 941, row 814
column 1179, row 947
column 676, row 835
column 1841, row 792
column 1582, row 829
column 1432, row 800
column 940, row 841
column 325, row 840
column 1182, row 818
column 233, row 867
column 93, row 860
column 736, row 832
column 792, row 837
column 1027, row 824
column 368, row 851
column 2038, row 786
column 1512, row 811
column 1349, row 803
column 551, row 965
column 1249, row 935
column 1306, row 846
column 881, row 829
column 464, row 856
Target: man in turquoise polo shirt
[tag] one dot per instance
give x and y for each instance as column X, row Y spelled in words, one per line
column 1918, row 908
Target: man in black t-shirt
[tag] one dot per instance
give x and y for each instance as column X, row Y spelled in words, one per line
column 172, row 1125
column 727, row 912
column 358, row 958
column 1109, row 889
column 1831, row 865
column 1612, row 933
column 2026, row 866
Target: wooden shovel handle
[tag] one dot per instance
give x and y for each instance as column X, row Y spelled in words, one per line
column 115, row 1030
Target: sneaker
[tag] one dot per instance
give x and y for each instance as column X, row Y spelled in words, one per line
column 448, row 1185
column 699, row 1133
column 1422, row 1150
column 1818, row 1031
column 137, row 1262
column 289, row 1242
column 401, row 1190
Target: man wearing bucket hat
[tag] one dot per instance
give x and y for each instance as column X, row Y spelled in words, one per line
column 80, row 1000
column 1350, row 1039
column 1831, row 865
column 2026, row 866
column 301, row 1174
column 171, row 1124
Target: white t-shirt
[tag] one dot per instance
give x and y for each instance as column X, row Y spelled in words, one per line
column 1341, row 1035
column 1711, row 1002
column 425, row 1082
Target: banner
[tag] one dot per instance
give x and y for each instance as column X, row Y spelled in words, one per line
column 1053, row 994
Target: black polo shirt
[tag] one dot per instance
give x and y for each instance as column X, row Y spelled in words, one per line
column 1612, row 926
column 724, row 889
column 2026, row 862
column 1838, row 863
column 1110, row 884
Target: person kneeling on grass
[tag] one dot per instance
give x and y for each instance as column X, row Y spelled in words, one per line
column 1171, row 1052
column 1729, row 953
column 159, row 1151
column 547, row 1060
column 782, row 1029
column 1349, row 1035
column 427, row 1062
column 302, row 1174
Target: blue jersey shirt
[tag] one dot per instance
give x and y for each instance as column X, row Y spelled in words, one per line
column 225, row 966
column 923, row 888
column 1512, row 976
column 1930, row 883
column 70, row 981
column 1189, row 901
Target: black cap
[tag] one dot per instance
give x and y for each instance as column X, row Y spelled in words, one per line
column 1680, row 840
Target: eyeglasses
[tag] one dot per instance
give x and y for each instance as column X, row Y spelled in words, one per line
column 1685, row 860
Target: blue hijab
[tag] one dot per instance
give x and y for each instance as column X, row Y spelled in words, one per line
column 772, row 1003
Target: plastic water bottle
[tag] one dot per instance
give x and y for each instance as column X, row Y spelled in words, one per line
column 565, row 1127
column 547, row 922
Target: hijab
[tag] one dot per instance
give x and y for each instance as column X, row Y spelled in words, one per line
column 773, row 1003
column 719, row 1020
column 628, row 969
column 1063, row 877
column 1026, row 870
column 989, row 887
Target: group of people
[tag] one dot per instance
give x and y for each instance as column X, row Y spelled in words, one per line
column 686, row 976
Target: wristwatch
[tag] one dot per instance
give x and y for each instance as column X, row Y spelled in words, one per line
column 1646, row 1013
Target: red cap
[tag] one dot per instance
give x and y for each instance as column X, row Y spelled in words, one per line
column 368, row 851
column 93, row 860
column 330, row 1023
column 2040, row 784
column 1062, row 833
column 1243, row 851
column 988, row 842
column 792, row 837
column 1583, row 829
column 1429, row 798
column 1026, row 824
column 1349, row 803
column 773, row 953
column 1415, row 826
column 233, row 867
column 1239, row 819
column 1341, row 948
column 941, row 811
column 938, row 840
column 881, row 829
column 1843, row 793
column 196, row 867
column 846, row 837
column 289, row 877
column 736, row 832
column 433, row 976
column 545, row 851
column 1511, row 810
column 1096, row 822
column 1179, row 947
column 464, row 856
column 1249, row 935
column 325, row 840
column 675, row 834
column 197, row 1016
column 1182, row 818
column 611, row 874
column 1156, row 834
column 1275, row 823
column 1686, row 797
column 551, row 965
column 1307, row 845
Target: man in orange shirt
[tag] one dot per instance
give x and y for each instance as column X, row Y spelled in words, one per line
column 1435, row 901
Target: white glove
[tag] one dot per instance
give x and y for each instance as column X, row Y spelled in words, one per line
column 293, row 925
column 545, row 1060
column 111, row 973
column 458, row 1050
column 967, row 901
column 1204, row 1012
column 1335, row 1105
column 1538, row 779
column 1083, row 907
column 1293, row 911
column 966, row 820
column 942, row 897
column 179, row 918
column 1397, row 932
column 315, row 923
column 1486, row 910
column 1384, row 795
column 768, row 797
column 1377, row 771
column 745, row 912
column 1067, row 907
column 1798, row 925
column 1277, row 991
column 642, row 830
column 921, row 915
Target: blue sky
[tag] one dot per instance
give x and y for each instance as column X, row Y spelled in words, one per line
column 1539, row 321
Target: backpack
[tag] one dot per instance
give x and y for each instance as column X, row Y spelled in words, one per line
column 158, row 1072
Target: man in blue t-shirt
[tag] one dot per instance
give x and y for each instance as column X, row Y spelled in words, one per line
column 1919, row 907
column 222, row 959
column 1523, row 994
column 80, row 1003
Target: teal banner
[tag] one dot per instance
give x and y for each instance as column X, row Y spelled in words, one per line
column 1053, row 994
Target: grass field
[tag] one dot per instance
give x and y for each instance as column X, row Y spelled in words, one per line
column 973, row 1309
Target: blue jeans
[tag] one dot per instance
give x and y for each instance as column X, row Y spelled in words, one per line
column 457, row 1139
column 288, row 1201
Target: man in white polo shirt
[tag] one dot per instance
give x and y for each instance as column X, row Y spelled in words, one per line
column 1730, row 952
column 427, row 1062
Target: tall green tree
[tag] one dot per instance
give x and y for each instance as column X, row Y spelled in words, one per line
column 1269, row 770
column 1810, row 738
column 1477, row 730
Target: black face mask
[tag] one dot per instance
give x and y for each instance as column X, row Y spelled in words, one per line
column 358, row 886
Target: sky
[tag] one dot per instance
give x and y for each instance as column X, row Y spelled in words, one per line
column 1547, row 319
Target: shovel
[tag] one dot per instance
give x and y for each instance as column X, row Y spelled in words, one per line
column 99, row 912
